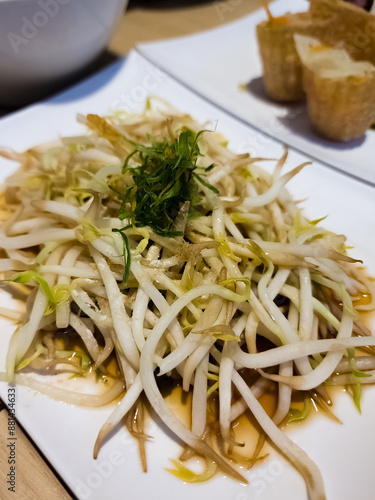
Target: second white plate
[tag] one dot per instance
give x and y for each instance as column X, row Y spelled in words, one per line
column 218, row 63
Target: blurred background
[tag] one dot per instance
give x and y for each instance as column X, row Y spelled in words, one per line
column 148, row 20
column 44, row 51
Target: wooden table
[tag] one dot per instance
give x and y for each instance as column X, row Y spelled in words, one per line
column 146, row 25
column 35, row 477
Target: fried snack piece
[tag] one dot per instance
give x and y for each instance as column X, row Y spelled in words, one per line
column 351, row 27
column 340, row 92
column 282, row 70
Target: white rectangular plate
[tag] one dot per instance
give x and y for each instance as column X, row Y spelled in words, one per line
column 217, row 63
column 66, row 434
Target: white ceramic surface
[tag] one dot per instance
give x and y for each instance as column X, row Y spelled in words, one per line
column 217, row 64
column 43, row 43
column 66, row 434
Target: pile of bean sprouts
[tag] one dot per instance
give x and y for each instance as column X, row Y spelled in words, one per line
column 251, row 285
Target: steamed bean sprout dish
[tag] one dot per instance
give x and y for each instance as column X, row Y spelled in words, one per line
column 148, row 256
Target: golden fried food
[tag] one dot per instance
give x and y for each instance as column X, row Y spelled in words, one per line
column 340, row 92
column 282, row 70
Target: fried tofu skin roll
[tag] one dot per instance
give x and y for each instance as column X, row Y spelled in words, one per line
column 351, row 27
column 340, row 92
column 282, row 69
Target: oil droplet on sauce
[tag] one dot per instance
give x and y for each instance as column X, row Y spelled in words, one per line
column 362, row 300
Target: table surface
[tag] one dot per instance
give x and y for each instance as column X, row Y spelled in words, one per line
column 35, row 478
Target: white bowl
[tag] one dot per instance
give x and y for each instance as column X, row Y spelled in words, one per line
column 44, row 43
